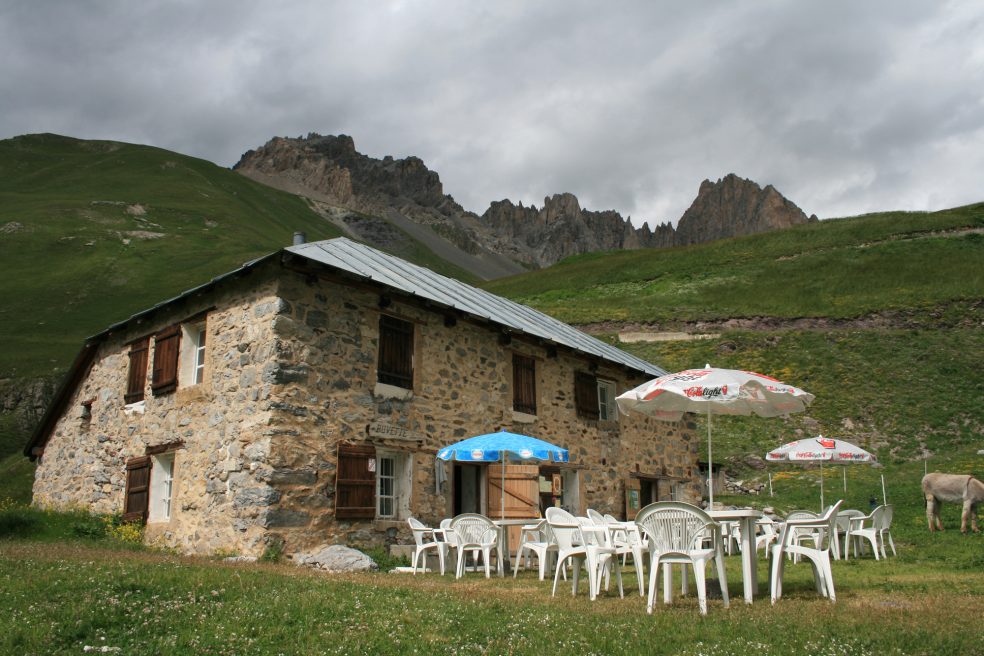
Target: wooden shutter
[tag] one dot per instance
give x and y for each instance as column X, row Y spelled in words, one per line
column 355, row 482
column 395, row 352
column 524, row 384
column 165, row 377
column 586, row 395
column 136, row 503
column 137, row 377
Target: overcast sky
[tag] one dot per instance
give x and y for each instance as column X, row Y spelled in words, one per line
column 845, row 107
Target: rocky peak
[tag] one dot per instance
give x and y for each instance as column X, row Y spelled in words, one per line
column 396, row 196
column 734, row 206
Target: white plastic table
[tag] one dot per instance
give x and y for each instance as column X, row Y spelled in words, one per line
column 746, row 519
column 502, row 525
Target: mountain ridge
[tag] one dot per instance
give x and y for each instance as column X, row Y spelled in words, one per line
column 330, row 169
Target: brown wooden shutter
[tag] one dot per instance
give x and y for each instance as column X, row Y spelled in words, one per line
column 355, row 482
column 137, row 498
column 137, row 377
column 524, row 384
column 165, row 377
column 395, row 352
column 586, row 395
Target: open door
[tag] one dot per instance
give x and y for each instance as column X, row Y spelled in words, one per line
column 522, row 494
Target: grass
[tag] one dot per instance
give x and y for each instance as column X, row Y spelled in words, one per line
column 59, row 597
column 895, row 392
column 912, row 262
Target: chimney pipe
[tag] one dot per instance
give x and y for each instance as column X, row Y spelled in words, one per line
column 299, row 238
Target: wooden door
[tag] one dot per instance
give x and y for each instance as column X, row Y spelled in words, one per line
column 522, row 494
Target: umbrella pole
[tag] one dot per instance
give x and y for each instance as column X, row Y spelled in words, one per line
column 821, row 486
column 845, row 479
column 502, row 490
column 710, row 463
column 884, row 496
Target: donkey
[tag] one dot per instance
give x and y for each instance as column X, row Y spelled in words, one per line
column 955, row 488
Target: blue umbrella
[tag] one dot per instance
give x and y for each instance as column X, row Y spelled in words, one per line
column 497, row 447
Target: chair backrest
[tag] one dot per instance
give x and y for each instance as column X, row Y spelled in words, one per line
column 611, row 519
column 472, row 528
column 845, row 516
column 804, row 521
column 596, row 517
column 558, row 515
column 673, row 526
column 419, row 531
column 593, row 533
column 801, row 514
column 884, row 522
column 564, row 528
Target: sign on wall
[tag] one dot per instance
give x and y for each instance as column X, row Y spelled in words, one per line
column 387, row 431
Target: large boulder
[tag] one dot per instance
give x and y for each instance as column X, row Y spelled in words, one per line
column 336, row 558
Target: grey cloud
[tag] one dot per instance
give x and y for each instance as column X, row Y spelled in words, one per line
column 845, row 107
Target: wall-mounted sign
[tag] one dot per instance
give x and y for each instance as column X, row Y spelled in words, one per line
column 385, row 430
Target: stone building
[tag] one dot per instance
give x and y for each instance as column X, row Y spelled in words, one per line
column 301, row 400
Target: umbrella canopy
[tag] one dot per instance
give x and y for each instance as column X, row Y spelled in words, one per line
column 820, row 449
column 714, row 391
column 498, row 447
column 494, row 447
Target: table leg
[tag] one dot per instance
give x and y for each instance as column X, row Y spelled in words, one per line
column 749, row 559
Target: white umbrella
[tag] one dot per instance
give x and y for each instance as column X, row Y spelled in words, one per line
column 714, row 391
column 820, row 449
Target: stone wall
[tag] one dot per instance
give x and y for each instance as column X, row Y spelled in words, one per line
column 462, row 387
column 219, row 486
column 290, row 372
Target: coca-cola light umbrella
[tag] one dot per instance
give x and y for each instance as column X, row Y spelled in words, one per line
column 820, row 449
column 713, row 391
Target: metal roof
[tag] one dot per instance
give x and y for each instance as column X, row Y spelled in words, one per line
column 369, row 263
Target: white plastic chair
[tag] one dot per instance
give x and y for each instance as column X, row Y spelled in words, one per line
column 538, row 540
column 629, row 541
column 601, row 555
column 425, row 540
column 570, row 546
column 768, row 535
column 473, row 532
column 873, row 528
column 885, row 530
column 676, row 532
column 844, row 518
column 822, row 530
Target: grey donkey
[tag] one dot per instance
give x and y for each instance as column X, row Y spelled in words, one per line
column 954, row 488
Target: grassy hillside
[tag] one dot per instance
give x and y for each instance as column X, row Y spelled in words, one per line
column 839, row 268
column 892, row 351
column 93, row 231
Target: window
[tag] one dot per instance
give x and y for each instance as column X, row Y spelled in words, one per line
column 395, row 365
column 161, row 487
column 193, row 354
column 371, row 483
column 137, row 497
column 594, row 399
column 386, row 486
column 165, row 376
column 355, row 482
column 586, row 395
column 137, row 377
column 607, row 409
column 393, row 478
column 524, row 384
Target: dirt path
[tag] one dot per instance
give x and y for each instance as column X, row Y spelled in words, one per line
column 963, row 314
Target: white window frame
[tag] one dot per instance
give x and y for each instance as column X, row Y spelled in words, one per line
column 399, row 473
column 607, row 409
column 161, row 487
column 191, row 366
